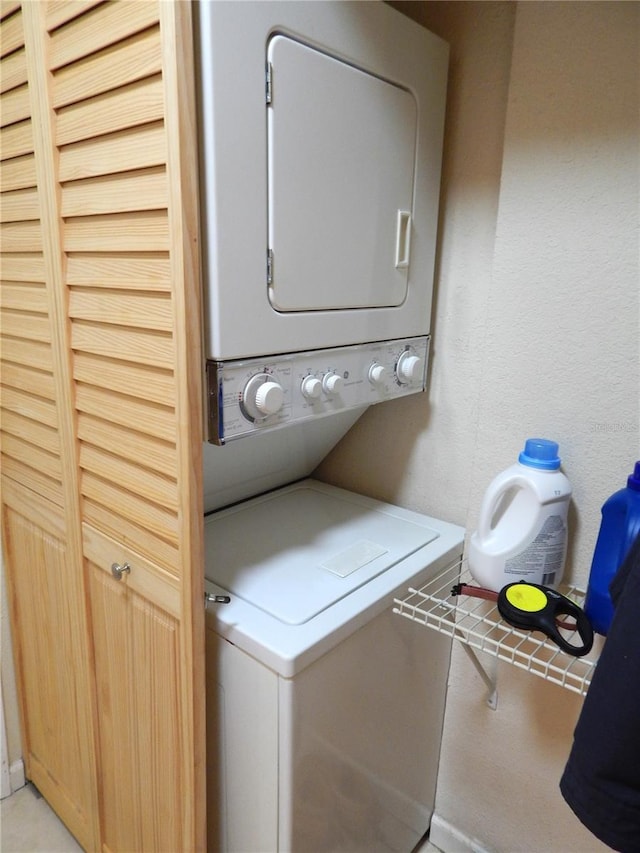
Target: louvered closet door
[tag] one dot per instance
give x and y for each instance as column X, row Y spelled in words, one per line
column 118, row 78
column 40, row 502
column 31, row 443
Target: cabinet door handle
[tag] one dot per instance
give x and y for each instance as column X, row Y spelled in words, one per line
column 118, row 570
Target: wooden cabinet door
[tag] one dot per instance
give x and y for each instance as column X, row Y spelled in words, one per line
column 141, row 725
column 52, row 659
column 113, row 118
column 40, row 500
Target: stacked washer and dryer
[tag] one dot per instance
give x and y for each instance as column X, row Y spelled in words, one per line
column 321, row 139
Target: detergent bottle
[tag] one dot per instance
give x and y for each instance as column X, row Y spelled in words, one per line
column 619, row 527
column 522, row 529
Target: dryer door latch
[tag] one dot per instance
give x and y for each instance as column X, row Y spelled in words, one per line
column 268, row 91
column 209, row 597
column 269, row 267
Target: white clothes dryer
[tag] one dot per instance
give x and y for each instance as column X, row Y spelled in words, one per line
column 321, row 128
column 321, row 144
column 325, row 709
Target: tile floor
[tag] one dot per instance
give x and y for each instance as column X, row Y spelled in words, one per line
column 28, row 825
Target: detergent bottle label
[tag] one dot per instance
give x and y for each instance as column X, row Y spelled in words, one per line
column 543, row 559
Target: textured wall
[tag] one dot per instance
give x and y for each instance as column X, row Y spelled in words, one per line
column 536, row 331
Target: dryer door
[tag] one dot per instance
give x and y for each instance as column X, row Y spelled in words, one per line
column 341, row 161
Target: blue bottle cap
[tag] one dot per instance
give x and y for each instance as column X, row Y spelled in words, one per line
column 540, row 453
column 633, row 480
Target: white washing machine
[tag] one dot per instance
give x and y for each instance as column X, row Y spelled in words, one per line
column 328, row 708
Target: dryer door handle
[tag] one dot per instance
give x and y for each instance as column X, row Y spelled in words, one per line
column 403, row 239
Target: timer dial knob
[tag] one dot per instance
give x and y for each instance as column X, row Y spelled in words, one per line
column 409, row 369
column 332, row 384
column 377, row 374
column 269, row 398
column 262, row 396
column 311, row 387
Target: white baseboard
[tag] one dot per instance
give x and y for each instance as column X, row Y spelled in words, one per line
column 16, row 775
column 449, row 839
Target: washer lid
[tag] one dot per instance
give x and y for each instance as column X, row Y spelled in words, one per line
column 294, row 553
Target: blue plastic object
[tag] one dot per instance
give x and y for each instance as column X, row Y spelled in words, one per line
column 540, row 453
column 618, row 529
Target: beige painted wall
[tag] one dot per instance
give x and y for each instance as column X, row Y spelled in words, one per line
column 9, row 692
column 536, row 332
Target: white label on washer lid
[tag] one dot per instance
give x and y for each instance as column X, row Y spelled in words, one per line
column 353, row 558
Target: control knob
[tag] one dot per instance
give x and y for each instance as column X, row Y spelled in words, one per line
column 409, row 369
column 332, row 384
column 311, row 387
column 262, row 396
column 377, row 374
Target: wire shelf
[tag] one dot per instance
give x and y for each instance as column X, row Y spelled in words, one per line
column 478, row 624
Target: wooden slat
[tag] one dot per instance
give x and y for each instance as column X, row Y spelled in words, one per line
column 24, row 297
column 134, row 148
column 26, row 451
column 22, row 267
column 127, row 475
column 131, row 60
column 99, row 28
column 122, row 308
column 21, row 237
column 124, row 529
column 148, row 418
column 151, row 383
column 138, row 346
column 159, row 455
column 139, row 190
column 154, row 518
column 23, row 474
column 16, row 140
column 145, row 578
column 19, row 205
column 29, row 504
column 138, row 271
column 39, row 434
column 29, row 353
column 8, row 7
column 12, row 33
column 15, row 105
column 19, row 324
column 28, row 406
column 136, row 104
column 146, row 231
column 61, row 11
column 26, row 378
column 13, row 70
column 18, row 173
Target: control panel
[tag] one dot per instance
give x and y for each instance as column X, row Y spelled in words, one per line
column 251, row 395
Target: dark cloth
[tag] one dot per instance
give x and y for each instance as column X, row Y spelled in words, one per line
column 601, row 781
